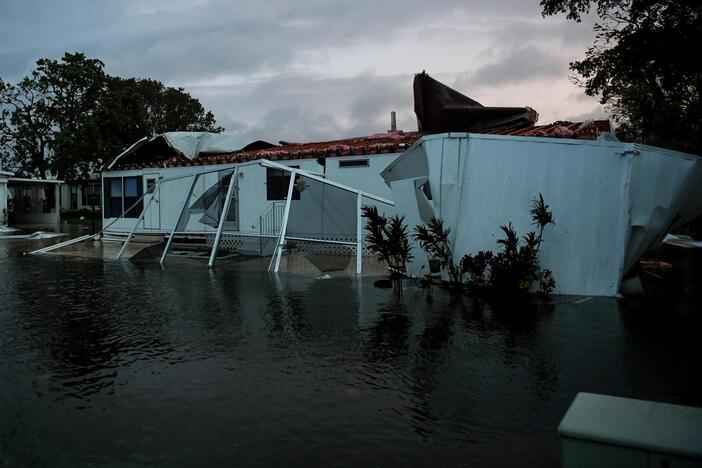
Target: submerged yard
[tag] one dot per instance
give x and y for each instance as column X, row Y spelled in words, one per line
column 125, row 363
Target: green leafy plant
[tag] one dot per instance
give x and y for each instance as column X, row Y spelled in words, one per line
column 652, row 94
column 67, row 115
column 511, row 272
column 476, row 267
column 434, row 239
column 515, row 269
column 4, row 217
column 388, row 239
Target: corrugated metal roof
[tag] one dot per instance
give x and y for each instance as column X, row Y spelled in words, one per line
column 379, row 143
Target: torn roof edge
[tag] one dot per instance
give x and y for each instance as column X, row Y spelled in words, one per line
column 380, row 143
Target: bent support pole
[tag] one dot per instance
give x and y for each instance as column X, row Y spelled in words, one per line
column 284, row 226
column 175, row 225
column 359, row 235
column 139, row 219
column 86, row 237
column 223, row 218
column 63, row 244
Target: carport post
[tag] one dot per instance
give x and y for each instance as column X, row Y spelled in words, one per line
column 284, row 226
column 223, row 218
column 359, row 235
column 175, row 225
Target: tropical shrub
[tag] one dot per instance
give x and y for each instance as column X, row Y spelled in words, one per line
column 512, row 271
column 476, row 268
column 388, row 239
column 515, row 269
column 434, row 239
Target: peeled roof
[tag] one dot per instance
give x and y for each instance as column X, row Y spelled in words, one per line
column 178, row 145
column 379, row 143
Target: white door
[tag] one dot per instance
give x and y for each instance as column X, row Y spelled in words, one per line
column 152, row 216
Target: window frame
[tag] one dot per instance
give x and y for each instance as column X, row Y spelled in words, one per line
column 111, row 201
column 351, row 163
column 280, row 193
column 73, row 195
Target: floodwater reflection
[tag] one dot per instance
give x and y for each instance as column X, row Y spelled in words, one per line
column 123, row 363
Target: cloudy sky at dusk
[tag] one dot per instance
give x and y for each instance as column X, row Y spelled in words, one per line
column 294, row 70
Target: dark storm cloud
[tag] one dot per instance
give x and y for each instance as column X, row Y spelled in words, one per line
column 287, row 69
column 308, row 108
column 515, row 66
column 182, row 40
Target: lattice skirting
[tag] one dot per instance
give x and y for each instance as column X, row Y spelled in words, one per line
column 228, row 242
column 234, row 242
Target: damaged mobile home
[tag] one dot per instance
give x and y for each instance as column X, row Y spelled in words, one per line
column 473, row 166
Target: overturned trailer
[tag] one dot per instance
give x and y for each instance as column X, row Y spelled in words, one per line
column 611, row 201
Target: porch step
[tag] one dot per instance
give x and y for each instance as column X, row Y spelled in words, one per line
column 115, row 237
column 138, row 238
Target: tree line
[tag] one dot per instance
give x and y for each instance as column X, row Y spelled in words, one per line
column 68, row 117
column 644, row 67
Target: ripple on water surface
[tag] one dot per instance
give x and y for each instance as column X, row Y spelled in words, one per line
column 110, row 362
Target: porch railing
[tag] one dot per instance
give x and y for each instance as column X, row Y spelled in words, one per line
column 271, row 220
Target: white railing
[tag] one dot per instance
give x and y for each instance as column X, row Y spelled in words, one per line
column 271, row 220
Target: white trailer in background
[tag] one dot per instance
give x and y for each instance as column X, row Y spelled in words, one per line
column 611, row 201
column 36, row 201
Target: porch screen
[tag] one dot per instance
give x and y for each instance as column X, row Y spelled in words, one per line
column 323, row 221
column 203, row 208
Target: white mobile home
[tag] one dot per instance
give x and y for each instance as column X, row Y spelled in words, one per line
column 82, row 194
column 28, row 201
column 260, row 192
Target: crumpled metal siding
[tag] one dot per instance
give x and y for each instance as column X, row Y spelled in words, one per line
column 611, row 201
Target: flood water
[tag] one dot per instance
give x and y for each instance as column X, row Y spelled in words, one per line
column 105, row 362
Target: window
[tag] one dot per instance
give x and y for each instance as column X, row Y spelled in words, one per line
column 131, row 195
column 277, row 183
column 120, row 194
column 426, row 188
column 27, row 195
column 74, row 197
column 90, row 194
column 115, row 197
column 231, row 216
column 353, row 163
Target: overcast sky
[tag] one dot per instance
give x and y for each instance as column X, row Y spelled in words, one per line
column 311, row 70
